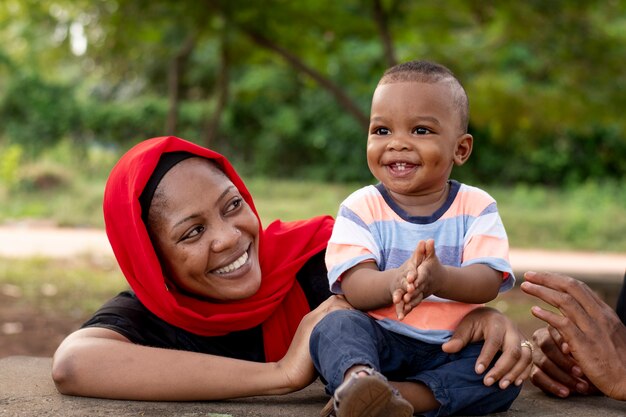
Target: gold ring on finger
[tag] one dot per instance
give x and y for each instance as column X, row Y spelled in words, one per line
column 528, row 345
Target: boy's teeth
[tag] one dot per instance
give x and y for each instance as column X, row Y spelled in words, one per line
column 235, row 265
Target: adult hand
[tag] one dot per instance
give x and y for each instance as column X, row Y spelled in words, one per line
column 297, row 365
column 588, row 330
column 499, row 334
column 555, row 372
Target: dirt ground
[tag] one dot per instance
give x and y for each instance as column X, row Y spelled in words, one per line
column 25, row 330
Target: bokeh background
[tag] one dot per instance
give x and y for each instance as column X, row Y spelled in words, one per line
column 283, row 89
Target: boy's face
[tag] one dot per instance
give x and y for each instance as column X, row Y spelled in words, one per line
column 415, row 137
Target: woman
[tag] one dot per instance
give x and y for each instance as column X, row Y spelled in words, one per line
column 220, row 307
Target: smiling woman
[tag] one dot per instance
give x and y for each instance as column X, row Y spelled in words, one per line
column 205, row 234
column 206, row 278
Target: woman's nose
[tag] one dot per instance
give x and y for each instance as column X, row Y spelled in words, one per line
column 225, row 237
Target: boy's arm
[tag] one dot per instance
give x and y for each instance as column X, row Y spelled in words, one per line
column 367, row 288
column 474, row 284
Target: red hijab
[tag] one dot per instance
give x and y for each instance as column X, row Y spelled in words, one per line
column 284, row 248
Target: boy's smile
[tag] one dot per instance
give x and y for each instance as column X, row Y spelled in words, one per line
column 414, row 140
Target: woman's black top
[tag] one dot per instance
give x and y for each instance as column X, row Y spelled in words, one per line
column 126, row 315
column 621, row 302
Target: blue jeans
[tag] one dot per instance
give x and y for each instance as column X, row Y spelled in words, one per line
column 346, row 338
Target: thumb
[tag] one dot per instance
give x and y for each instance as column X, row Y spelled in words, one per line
column 461, row 337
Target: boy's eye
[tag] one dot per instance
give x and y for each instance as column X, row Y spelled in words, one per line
column 381, row 131
column 421, row 131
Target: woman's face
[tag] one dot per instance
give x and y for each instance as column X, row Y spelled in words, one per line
column 205, row 234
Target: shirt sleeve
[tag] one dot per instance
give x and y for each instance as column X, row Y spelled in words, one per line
column 486, row 242
column 351, row 243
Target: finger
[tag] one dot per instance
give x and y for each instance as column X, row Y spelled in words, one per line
column 409, row 294
column 558, row 340
column 553, row 371
column 564, row 325
column 547, row 384
column 429, row 248
column 418, row 254
column 400, row 309
column 507, row 361
column 491, row 346
column 553, row 349
column 417, row 298
column 411, row 276
column 524, row 374
column 521, row 369
column 578, row 290
column 463, row 334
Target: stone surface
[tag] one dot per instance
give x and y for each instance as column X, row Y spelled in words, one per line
column 27, row 390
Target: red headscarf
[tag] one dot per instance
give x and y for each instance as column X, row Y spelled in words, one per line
column 284, row 248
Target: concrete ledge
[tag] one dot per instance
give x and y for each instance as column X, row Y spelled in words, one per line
column 27, row 390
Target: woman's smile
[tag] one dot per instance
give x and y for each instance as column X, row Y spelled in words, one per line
column 233, row 266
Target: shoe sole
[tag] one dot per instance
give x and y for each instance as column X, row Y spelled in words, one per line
column 371, row 397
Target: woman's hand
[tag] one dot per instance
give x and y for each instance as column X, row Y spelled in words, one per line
column 588, row 333
column 499, row 334
column 297, row 364
column 554, row 370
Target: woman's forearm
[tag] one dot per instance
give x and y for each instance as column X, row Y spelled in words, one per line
column 97, row 362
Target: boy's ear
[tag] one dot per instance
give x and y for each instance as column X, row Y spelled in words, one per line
column 463, row 149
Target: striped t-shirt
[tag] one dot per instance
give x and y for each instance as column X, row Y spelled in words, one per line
column 467, row 230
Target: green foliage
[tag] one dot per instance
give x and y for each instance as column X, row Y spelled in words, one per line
column 37, row 113
column 546, row 102
column 589, row 216
column 10, row 158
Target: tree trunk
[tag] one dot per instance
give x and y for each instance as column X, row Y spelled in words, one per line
column 382, row 24
column 176, row 69
column 221, row 87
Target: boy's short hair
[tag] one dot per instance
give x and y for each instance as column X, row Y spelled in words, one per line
column 430, row 72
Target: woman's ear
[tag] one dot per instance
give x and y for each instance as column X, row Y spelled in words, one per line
column 463, row 149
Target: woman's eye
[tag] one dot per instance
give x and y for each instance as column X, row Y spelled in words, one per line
column 381, row 131
column 193, row 232
column 234, row 204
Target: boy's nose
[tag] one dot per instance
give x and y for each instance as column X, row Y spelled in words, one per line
column 398, row 143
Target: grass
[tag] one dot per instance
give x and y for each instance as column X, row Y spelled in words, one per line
column 75, row 287
column 78, row 287
column 590, row 217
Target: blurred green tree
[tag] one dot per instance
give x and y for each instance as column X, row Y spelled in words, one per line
column 285, row 86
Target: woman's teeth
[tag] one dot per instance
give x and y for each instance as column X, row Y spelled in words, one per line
column 235, row 265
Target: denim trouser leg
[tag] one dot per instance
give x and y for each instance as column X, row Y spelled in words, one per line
column 342, row 339
column 348, row 337
column 461, row 391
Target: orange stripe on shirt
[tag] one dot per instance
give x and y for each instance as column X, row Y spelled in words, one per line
column 339, row 253
column 373, row 208
column 468, row 203
column 481, row 246
column 429, row 315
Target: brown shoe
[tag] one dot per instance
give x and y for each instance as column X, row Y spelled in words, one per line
column 367, row 396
